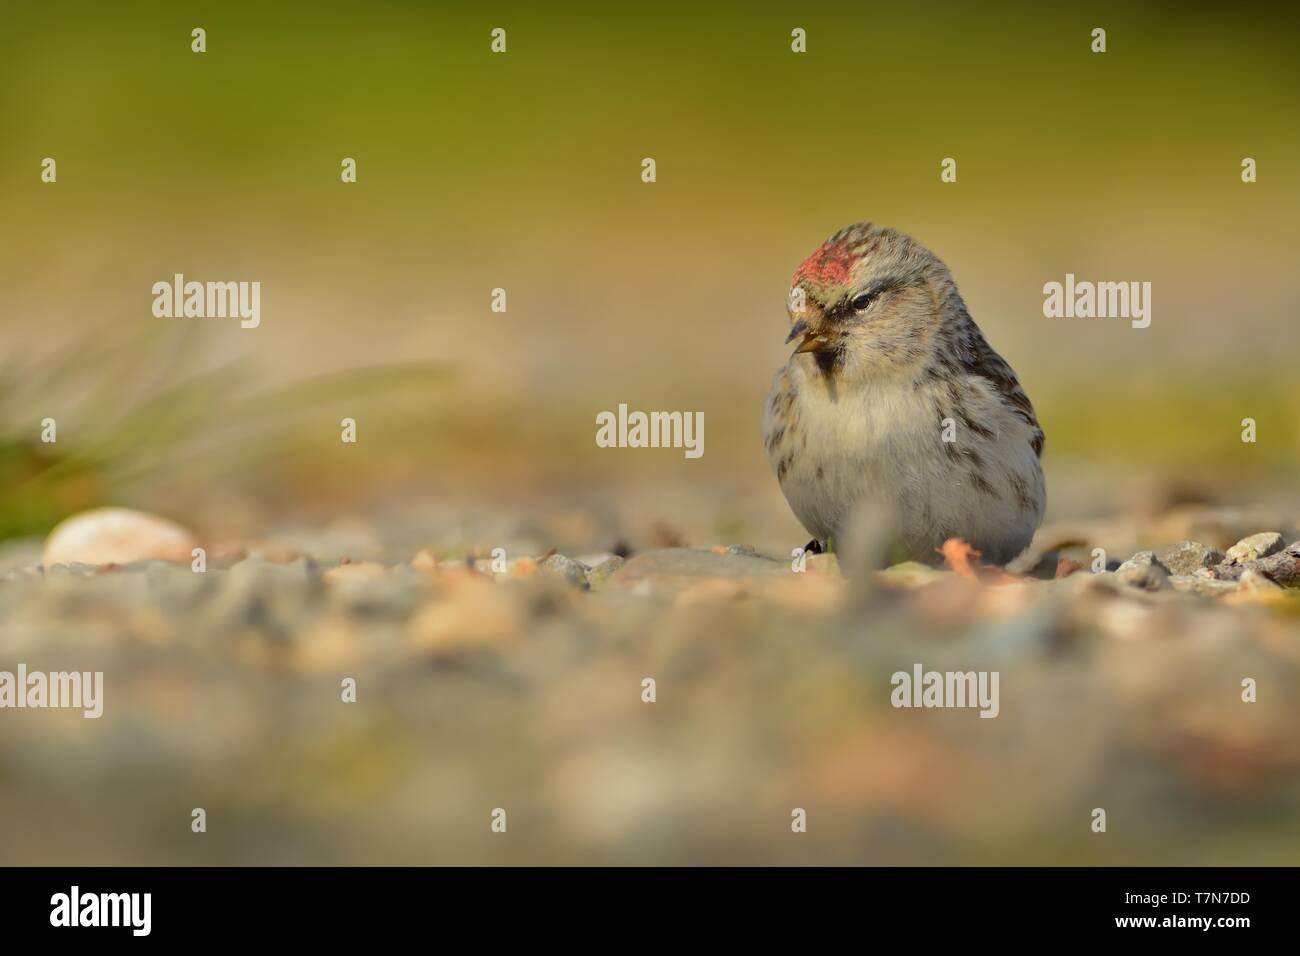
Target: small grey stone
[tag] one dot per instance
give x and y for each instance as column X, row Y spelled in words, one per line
column 598, row 575
column 573, row 572
column 1255, row 547
column 1281, row 568
column 1206, row 587
column 1186, row 556
column 1143, row 559
column 1143, row 571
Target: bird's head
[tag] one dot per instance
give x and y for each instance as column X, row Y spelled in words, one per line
column 869, row 301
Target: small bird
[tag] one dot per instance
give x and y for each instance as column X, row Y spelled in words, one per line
column 892, row 398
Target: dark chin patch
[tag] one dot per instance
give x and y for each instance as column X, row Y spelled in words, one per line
column 828, row 362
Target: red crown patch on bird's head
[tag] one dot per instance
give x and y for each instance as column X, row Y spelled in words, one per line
column 831, row 264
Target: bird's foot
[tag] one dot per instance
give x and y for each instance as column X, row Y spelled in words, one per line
column 957, row 554
column 965, row 563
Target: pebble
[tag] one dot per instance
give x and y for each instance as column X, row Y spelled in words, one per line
column 1186, row 556
column 1143, row 571
column 1255, row 547
column 1140, row 560
column 116, row 536
column 1206, row 587
column 599, row 575
column 570, row 571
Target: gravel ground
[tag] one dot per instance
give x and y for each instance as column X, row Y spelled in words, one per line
column 520, row 684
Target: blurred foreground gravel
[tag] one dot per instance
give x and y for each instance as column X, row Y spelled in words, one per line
column 522, row 690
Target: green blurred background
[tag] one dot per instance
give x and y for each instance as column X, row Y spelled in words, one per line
column 522, row 171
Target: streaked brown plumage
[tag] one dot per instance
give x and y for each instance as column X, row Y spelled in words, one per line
column 893, row 397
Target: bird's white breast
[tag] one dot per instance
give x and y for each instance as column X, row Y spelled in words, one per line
column 883, row 442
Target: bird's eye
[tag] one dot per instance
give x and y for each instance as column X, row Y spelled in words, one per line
column 860, row 301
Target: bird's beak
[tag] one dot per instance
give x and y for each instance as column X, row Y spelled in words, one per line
column 812, row 339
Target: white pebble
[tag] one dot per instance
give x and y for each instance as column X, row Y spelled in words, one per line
column 116, row 536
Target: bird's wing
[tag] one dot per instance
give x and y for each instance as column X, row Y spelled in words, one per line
column 979, row 358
